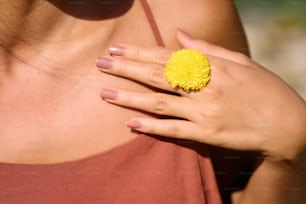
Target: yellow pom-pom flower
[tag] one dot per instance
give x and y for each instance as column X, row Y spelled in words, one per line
column 188, row 69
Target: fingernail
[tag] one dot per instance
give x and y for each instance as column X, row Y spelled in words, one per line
column 109, row 94
column 104, row 63
column 134, row 124
column 117, row 50
column 184, row 34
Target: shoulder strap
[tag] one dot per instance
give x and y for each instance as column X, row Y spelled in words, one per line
column 152, row 23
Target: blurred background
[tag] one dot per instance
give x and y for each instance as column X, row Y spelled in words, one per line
column 276, row 31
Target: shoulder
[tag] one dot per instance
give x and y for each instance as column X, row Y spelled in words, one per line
column 216, row 21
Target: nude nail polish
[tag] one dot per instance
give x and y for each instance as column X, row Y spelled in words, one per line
column 184, row 34
column 104, row 63
column 117, row 50
column 134, row 124
column 109, row 94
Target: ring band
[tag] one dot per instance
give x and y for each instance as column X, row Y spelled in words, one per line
column 188, row 69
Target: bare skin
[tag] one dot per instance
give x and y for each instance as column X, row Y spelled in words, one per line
column 49, row 84
column 243, row 107
column 49, row 101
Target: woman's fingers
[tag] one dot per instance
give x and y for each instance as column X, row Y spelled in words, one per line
column 146, row 73
column 173, row 128
column 157, row 103
column 210, row 49
column 156, row 55
column 208, row 133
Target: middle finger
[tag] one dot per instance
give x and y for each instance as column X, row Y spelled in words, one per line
column 146, row 73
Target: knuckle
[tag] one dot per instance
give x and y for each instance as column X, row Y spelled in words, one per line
column 134, row 53
column 160, row 104
column 214, row 93
column 121, row 67
column 162, row 56
column 214, row 129
column 208, row 113
column 242, row 58
column 212, row 114
column 152, row 129
column 156, row 76
column 175, row 131
column 222, row 71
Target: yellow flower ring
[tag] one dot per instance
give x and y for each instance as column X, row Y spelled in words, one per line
column 188, row 69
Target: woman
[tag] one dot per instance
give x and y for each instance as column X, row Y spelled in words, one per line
column 244, row 107
column 58, row 143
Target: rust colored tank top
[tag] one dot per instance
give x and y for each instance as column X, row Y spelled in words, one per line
column 145, row 170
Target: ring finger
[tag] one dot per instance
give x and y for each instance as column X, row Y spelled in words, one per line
column 157, row 103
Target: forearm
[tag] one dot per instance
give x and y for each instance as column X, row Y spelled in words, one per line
column 274, row 183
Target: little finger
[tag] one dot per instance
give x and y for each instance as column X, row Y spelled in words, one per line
column 180, row 129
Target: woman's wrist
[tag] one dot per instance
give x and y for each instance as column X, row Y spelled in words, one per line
column 274, row 182
column 299, row 163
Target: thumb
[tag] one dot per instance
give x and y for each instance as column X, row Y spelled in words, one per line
column 210, row 49
column 189, row 42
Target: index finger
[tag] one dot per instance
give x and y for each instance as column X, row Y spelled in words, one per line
column 156, row 55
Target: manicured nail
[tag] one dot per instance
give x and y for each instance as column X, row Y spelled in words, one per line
column 184, row 34
column 109, row 94
column 117, row 50
column 104, row 63
column 134, row 124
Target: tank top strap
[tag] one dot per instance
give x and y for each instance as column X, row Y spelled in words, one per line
column 152, row 23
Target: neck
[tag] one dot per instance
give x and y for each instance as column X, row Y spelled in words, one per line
column 37, row 23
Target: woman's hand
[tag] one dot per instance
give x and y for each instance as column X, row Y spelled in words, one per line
column 244, row 106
